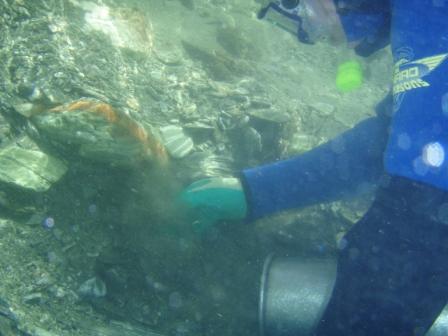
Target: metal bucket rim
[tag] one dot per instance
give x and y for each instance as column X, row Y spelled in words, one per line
column 265, row 283
column 262, row 300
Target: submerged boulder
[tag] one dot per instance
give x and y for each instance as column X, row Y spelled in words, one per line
column 29, row 169
column 97, row 131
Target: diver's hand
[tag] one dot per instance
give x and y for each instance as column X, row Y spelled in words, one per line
column 213, row 199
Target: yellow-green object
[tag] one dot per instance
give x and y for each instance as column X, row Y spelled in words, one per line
column 349, row 76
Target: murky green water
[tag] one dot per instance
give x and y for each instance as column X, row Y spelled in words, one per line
column 114, row 107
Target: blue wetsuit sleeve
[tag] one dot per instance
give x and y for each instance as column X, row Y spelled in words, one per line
column 331, row 171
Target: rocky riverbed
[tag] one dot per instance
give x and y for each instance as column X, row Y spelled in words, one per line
column 107, row 110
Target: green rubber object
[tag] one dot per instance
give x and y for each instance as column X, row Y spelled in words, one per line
column 349, row 76
column 212, row 200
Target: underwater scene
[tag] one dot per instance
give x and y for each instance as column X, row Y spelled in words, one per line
column 138, row 146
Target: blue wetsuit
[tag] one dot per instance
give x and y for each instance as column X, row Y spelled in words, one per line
column 342, row 166
column 392, row 275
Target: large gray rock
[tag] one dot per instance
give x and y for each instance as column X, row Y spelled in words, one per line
column 29, row 169
column 176, row 142
column 95, row 130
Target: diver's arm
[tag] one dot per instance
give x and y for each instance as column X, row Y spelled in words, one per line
column 338, row 168
column 396, row 282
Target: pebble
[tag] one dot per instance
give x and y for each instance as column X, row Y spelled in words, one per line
column 58, row 234
column 324, row 108
column 53, row 258
column 93, row 288
column 34, row 299
column 40, row 332
column 36, row 219
column 43, row 281
column 75, row 228
column 58, row 292
column 176, row 142
column 4, row 224
column 155, row 285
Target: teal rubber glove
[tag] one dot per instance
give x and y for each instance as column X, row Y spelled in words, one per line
column 214, row 199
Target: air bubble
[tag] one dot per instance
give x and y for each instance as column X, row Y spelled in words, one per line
column 433, row 154
column 48, row 223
